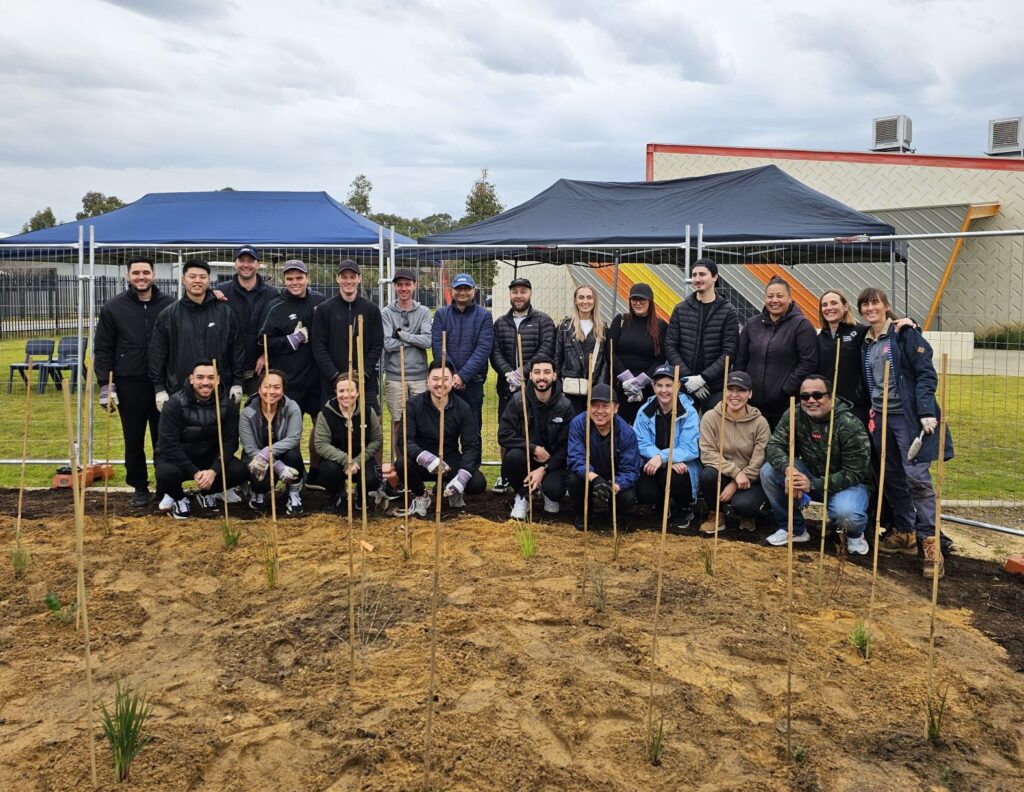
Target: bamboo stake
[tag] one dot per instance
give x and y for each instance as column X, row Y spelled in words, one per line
column 405, row 452
column 107, row 468
column 611, row 444
column 428, row 738
column 789, row 576
column 351, row 537
column 272, row 560
column 526, row 430
column 878, row 512
column 721, row 460
column 78, row 498
column 362, row 468
column 661, row 552
column 828, row 469
column 20, row 556
column 228, row 533
column 586, row 478
column 939, row 471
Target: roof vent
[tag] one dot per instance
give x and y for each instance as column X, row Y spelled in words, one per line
column 1006, row 137
column 892, row 133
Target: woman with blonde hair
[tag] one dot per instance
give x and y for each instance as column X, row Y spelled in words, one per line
column 579, row 335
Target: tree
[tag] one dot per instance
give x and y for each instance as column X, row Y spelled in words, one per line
column 482, row 201
column 96, row 203
column 226, row 189
column 359, row 196
column 42, row 219
column 415, row 227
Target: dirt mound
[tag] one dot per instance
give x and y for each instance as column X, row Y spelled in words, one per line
column 538, row 687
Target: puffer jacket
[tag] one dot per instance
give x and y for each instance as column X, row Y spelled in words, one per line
column 185, row 332
column 746, row 438
column 330, row 435
column 571, row 355
column 627, row 454
column 850, row 383
column 851, row 448
column 468, row 337
column 718, row 337
column 687, row 433
column 283, row 316
column 250, row 308
column 252, row 427
column 538, row 333
column 188, row 431
column 123, row 332
column 548, row 422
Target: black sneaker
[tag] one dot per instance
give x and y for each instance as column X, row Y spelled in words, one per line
column 180, row 509
column 679, row 522
column 140, row 498
column 313, row 479
column 500, row 485
column 732, row 519
column 577, row 522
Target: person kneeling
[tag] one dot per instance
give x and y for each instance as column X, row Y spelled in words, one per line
column 337, row 438
column 269, row 411
column 460, row 459
column 848, row 475
column 187, row 445
column 653, row 430
column 603, row 420
column 549, row 413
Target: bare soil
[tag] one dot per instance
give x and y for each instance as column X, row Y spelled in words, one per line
column 537, row 688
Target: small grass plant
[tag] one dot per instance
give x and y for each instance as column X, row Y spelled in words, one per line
column 124, row 729
column 860, row 639
column 229, row 534
column 656, row 744
column 526, row 539
column 935, row 716
column 65, row 614
column 800, row 753
column 599, row 596
column 19, row 559
column 708, row 557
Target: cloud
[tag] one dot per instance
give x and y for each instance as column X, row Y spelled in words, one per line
column 176, row 10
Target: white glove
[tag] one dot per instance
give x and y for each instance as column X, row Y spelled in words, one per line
column 928, row 423
column 235, row 394
column 457, row 485
column 259, row 464
column 634, row 396
column 161, row 400
column 108, row 395
column 514, row 379
column 703, row 393
column 284, row 473
column 695, row 383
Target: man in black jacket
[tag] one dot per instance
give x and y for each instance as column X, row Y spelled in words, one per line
column 704, row 328
column 248, row 296
column 188, row 447
column 122, row 346
column 330, row 334
column 460, row 457
column 537, row 331
column 548, row 415
column 196, row 327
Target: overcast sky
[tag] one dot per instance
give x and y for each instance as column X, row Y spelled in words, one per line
column 133, row 96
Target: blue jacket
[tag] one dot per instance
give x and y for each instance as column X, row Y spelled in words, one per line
column 627, row 457
column 686, row 448
column 470, row 335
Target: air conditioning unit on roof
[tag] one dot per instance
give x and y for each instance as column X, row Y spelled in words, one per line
column 1006, row 137
column 891, row 133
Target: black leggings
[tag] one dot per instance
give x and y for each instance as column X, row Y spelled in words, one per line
column 418, row 475
column 170, row 477
column 513, row 470
column 745, row 503
column 332, row 477
column 292, row 458
column 651, row 489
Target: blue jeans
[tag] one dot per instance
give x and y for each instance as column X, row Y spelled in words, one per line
column 908, row 485
column 847, row 509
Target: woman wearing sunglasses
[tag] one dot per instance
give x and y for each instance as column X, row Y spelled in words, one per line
column 638, row 337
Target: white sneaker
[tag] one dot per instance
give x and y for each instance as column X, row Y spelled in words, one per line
column 293, row 507
column 500, row 485
column 781, row 536
column 520, row 508
column 166, row 503
column 180, row 509
column 233, row 496
column 551, row 506
column 457, row 500
column 857, row 545
column 420, row 506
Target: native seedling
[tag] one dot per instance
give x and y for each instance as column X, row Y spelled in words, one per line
column 372, row 622
column 800, row 753
column 526, row 539
column 597, row 588
column 19, row 559
column 229, row 534
column 935, row 715
column 656, row 745
column 124, row 728
column 709, row 561
column 65, row 614
column 860, row 639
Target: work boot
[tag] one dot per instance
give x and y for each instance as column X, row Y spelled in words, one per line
column 140, row 498
column 899, row 542
column 932, row 556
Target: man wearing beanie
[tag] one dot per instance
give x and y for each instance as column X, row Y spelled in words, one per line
column 703, row 330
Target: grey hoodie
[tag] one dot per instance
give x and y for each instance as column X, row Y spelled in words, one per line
column 414, row 334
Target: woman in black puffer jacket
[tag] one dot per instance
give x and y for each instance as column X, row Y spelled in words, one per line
column 578, row 336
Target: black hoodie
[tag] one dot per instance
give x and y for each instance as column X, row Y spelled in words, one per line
column 777, row 356
column 549, row 423
column 123, row 333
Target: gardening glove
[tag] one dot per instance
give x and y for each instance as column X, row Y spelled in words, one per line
column 638, row 383
column 703, row 393
column 108, row 395
column 600, row 493
column 634, row 395
column 928, row 424
column 625, row 376
column 430, row 462
column 161, row 400
column 514, row 379
column 285, row 474
column 457, row 485
column 235, row 394
column 298, row 337
column 259, row 464
column 695, row 384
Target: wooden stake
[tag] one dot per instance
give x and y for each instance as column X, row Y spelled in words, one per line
column 661, row 551
column 362, row 468
column 828, row 469
column 789, row 576
column 223, row 464
column 78, row 498
column 586, row 478
column 939, row 471
column 611, row 444
column 405, row 452
column 351, row 537
column 18, row 549
column 106, row 459
column 429, row 736
column 526, row 429
column 272, row 560
column 878, row 512
column 721, row 460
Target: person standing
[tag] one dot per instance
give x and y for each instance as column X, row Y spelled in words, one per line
column 703, row 331
column 249, row 297
column 470, row 335
column 407, row 325
column 329, row 339
column 123, row 334
column 196, row 327
column 638, row 337
column 580, row 335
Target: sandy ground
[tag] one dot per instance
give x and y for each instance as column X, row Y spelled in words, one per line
column 538, row 686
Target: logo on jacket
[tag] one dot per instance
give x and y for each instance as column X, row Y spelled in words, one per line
column 212, row 324
column 816, row 436
column 557, row 419
column 293, row 316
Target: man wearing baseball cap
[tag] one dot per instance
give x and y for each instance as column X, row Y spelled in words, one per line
column 406, row 332
column 248, row 296
column 467, row 327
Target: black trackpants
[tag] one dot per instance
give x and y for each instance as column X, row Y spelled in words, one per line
column 170, row 477
column 137, row 409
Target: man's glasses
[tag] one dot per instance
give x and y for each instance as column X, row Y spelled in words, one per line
column 816, row 395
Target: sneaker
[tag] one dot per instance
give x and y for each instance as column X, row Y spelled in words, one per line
column 180, row 509
column 140, row 498
column 551, row 506
column 708, row 526
column 207, row 501
column 899, row 542
column 679, row 522
column 747, row 524
column 856, row 545
column 166, row 503
column 781, row 537
column 520, row 509
column 334, row 505
column 457, row 500
column 500, row 485
column 577, row 522
column 932, row 558
column 293, row 507
column 420, row 505
column 732, row 520
column 233, row 496
column 257, row 501
column 313, row 479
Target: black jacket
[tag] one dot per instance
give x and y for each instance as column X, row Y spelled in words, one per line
column 123, row 333
column 538, row 334
column 188, row 432
column 687, row 340
column 850, row 383
column 634, row 349
column 777, row 356
column 283, row 316
column 571, row 355
column 250, row 307
column 329, row 338
column 459, row 426
column 549, row 424
column 186, row 332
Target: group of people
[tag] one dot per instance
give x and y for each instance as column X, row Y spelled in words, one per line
column 585, row 408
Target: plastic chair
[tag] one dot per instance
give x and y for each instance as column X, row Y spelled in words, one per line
column 67, row 360
column 38, row 352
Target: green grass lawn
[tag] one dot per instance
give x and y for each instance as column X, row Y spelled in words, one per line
column 984, row 414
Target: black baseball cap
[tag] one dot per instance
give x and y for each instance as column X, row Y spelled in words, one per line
column 247, row 250
column 663, row 371
column 602, row 393
column 404, row 272
column 641, row 290
column 295, row 264
column 521, row 282
column 740, row 379
column 348, row 265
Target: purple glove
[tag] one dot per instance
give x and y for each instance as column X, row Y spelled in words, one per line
column 258, row 464
column 624, row 376
column 285, row 474
column 430, row 462
column 108, row 396
column 299, row 337
column 637, row 383
column 458, row 483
